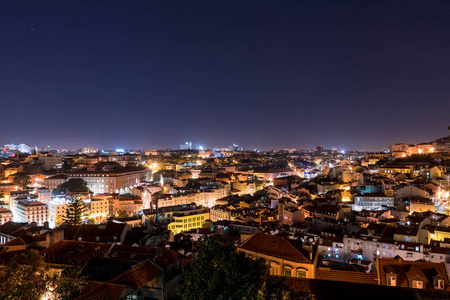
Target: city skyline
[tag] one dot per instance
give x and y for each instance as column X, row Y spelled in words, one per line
column 198, row 146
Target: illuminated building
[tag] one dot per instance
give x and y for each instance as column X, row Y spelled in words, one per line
column 21, row 148
column 166, row 200
column 57, row 210
column 100, row 207
column 31, row 211
column 418, row 204
column 52, row 182
column 111, row 180
column 390, row 170
column 186, row 146
column 219, row 213
column 129, row 205
column 271, row 174
column 373, row 201
column 182, row 217
column 284, row 257
column 243, row 187
column 5, row 216
column 47, row 161
column 44, row 195
column 20, row 196
column 186, row 222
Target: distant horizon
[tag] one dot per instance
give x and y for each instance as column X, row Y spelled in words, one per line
column 177, row 147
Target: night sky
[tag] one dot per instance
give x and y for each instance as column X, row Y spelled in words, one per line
column 261, row 74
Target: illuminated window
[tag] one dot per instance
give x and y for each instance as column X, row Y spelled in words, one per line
column 391, row 280
column 439, row 284
column 417, row 284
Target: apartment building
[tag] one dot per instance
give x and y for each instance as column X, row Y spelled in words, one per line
column 5, row 215
column 111, row 180
column 31, row 211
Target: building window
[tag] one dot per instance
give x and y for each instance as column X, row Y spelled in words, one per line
column 288, row 272
column 417, row 284
column 301, row 274
column 439, row 284
column 392, row 280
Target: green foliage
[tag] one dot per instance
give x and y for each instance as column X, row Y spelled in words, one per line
column 122, row 214
column 220, row 272
column 67, row 285
column 74, row 185
column 381, row 162
column 30, row 258
column 74, row 210
column 22, row 282
column 274, row 288
column 193, row 184
column 156, row 234
column 22, row 181
column 27, row 277
column 417, row 158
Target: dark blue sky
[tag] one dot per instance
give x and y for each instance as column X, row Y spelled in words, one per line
column 265, row 74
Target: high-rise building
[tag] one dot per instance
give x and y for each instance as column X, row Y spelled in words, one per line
column 186, row 146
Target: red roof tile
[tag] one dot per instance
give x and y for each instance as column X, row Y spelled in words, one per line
column 346, row 276
column 275, row 246
column 95, row 290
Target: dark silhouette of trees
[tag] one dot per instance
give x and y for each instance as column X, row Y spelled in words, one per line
column 23, row 181
column 74, row 185
column 74, row 210
column 220, row 272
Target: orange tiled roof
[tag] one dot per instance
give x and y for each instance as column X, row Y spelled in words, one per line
column 346, row 276
column 95, row 290
column 139, row 275
column 134, row 278
column 406, row 270
column 275, row 246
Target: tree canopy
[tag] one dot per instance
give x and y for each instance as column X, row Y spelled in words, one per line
column 220, row 272
column 74, row 185
column 22, row 180
column 122, row 214
column 26, row 277
column 74, row 210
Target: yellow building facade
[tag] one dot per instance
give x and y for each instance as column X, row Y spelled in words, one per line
column 187, row 222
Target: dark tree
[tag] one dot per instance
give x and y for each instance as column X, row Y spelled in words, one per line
column 220, row 272
column 274, row 288
column 74, row 210
column 156, row 234
column 193, row 184
column 27, row 277
column 74, row 185
column 122, row 214
column 22, row 181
